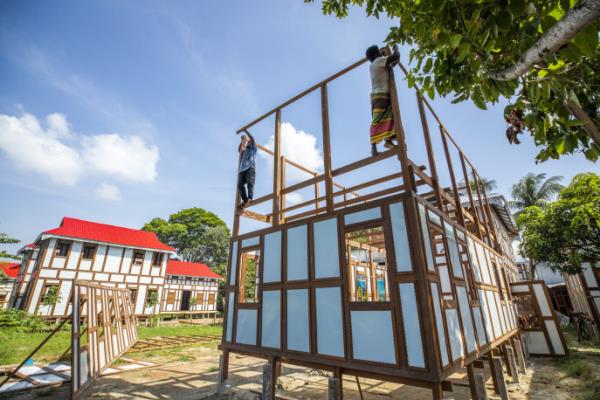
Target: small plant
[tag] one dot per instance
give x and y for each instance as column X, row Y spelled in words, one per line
column 193, row 302
column 153, row 321
column 52, row 297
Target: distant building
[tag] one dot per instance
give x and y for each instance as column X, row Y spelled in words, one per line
column 114, row 256
column 7, row 285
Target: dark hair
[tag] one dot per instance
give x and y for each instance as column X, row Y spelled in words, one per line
column 373, row 52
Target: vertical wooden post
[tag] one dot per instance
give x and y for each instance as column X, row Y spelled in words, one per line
column 326, row 149
column 317, row 195
column 493, row 372
column 334, row 389
column 512, row 364
column 223, row 372
column 482, row 207
column 236, row 210
column 437, row 392
column 407, row 175
column 476, row 383
column 268, row 381
column 281, row 188
column 470, row 195
column 520, row 355
column 459, row 209
column 276, row 168
column 498, row 377
column 489, row 217
column 430, row 154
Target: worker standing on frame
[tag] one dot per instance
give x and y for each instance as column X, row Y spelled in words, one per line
column 382, row 123
column 246, row 172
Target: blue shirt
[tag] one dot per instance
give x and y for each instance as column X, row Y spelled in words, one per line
column 248, row 157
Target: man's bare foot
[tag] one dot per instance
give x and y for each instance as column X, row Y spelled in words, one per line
column 389, row 144
column 374, row 151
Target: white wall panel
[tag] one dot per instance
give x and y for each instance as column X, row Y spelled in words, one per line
column 114, row 259
column 455, row 334
column 297, row 253
column 400, row 234
column 298, row 328
column 272, row 257
column 364, row 215
column 536, row 342
column 271, row 318
column 230, row 303
column 326, row 249
column 542, row 301
column 74, row 256
column 246, row 326
column 330, row 328
column 234, row 261
column 439, row 323
column 481, row 339
column 465, row 315
column 554, row 337
column 412, row 326
column 373, row 336
column 64, row 293
column 99, row 258
column 426, row 238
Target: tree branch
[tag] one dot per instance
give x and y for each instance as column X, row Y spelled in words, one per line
column 581, row 15
column 588, row 123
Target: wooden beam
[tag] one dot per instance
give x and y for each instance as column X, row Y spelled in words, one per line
column 276, row 169
column 326, row 149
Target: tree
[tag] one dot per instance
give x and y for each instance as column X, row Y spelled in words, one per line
column 565, row 233
column 484, row 184
column 197, row 234
column 5, row 239
column 52, row 297
column 534, row 190
column 541, row 55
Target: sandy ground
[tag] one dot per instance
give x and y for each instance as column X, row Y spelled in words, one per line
column 191, row 373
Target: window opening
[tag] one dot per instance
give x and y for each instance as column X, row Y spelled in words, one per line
column 62, row 249
column 157, row 259
column 249, row 276
column 367, row 264
column 89, row 250
column 138, row 257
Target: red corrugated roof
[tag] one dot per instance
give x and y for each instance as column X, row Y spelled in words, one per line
column 176, row 267
column 80, row 229
column 11, row 269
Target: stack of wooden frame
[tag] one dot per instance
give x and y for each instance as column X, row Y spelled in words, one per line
column 103, row 329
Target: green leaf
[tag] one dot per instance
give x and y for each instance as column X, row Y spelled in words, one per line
column 428, row 65
column 587, row 40
column 462, row 52
column 573, row 122
column 504, row 20
column 556, row 13
column 517, row 7
column 455, row 40
column 431, row 93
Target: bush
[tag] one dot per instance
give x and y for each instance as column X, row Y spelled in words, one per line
column 19, row 319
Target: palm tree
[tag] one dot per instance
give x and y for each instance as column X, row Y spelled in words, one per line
column 534, row 190
column 486, row 184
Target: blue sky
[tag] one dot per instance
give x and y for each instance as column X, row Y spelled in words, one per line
column 119, row 112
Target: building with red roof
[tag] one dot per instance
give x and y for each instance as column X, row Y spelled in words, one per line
column 7, row 282
column 113, row 256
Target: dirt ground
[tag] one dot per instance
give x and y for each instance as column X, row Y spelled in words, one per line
column 191, row 373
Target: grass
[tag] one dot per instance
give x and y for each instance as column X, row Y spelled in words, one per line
column 582, row 365
column 16, row 345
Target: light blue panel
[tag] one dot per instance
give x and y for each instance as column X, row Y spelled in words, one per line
column 434, row 218
column 479, row 326
column 426, row 238
column 474, row 261
column 412, row 326
column 271, row 318
column 298, row 328
column 253, row 241
column 439, row 323
column 455, row 334
column 494, row 313
column 327, row 261
column 453, row 248
column 234, row 262
column 485, row 314
column 246, row 326
column 229, row 317
column 272, row 257
column 297, row 253
column 400, row 234
column 365, row 215
column 330, row 328
column 373, row 336
column 465, row 316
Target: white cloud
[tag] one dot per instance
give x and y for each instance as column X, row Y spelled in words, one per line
column 293, row 198
column 107, row 191
column 56, row 152
column 34, row 148
column 298, row 146
column 127, row 158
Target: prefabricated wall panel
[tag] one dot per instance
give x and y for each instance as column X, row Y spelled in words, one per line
column 537, row 320
column 103, row 329
column 584, row 293
column 446, row 305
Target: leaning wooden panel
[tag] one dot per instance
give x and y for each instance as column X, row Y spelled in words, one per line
column 537, row 319
column 103, row 329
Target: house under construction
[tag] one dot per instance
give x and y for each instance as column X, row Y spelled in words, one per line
column 403, row 276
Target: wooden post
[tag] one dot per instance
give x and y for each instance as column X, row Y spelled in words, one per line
column 326, row 149
column 498, row 377
column 512, row 364
column 223, row 372
column 436, row 391
column 459, row 209
column 480, row 386
column 268, row 389
column 470, row 195
column 281, row 188
column 277, row 168
column 334, row 389
column 430, row 154
column 493, row 373
column 520, row 356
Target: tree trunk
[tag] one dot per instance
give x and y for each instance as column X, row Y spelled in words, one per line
column 531, row 270
column 588, row 123
column 581, row 15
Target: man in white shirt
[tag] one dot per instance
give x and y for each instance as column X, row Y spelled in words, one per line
column 382, row 124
